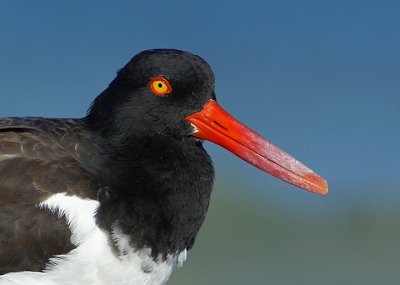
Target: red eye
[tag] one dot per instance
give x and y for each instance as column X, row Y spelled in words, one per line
column 160, row 86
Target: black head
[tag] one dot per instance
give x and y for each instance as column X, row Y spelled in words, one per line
column 129, row 105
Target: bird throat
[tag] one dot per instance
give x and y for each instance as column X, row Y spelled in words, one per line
column 158, row 192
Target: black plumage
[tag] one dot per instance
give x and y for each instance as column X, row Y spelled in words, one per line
column 133, row 152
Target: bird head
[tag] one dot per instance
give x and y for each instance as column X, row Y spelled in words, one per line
column 171, row 93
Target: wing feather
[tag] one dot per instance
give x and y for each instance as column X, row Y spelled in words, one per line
column 37, row 160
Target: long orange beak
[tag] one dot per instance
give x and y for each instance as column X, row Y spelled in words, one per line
column 214, row 124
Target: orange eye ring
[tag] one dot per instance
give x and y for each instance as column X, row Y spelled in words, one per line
column 160, row 86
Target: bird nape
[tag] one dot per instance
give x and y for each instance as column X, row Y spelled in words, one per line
column 118, row 196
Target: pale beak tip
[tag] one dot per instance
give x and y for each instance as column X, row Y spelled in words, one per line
column 319, row 184
column 323, row 187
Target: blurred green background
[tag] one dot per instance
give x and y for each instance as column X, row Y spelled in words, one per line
column 248, row 241
column 320, row 79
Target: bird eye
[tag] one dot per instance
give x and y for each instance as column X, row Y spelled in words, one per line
column 160, row 86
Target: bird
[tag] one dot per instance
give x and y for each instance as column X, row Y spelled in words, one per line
column 118, row 196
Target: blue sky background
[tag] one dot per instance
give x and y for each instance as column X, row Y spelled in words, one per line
column 321, row 79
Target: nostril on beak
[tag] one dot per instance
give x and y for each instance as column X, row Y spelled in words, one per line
column 215, row 123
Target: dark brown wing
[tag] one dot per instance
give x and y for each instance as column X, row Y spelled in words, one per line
column 37, row 160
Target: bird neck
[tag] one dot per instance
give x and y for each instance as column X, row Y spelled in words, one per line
column 159, row 193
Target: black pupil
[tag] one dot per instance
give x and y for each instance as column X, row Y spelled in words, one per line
column 160, row 85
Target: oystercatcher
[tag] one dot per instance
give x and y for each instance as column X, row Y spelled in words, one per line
column 118, row 196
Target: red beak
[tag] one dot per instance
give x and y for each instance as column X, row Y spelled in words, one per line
column 214, row 124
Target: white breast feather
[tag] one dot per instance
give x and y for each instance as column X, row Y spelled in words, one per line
column 93, row 261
